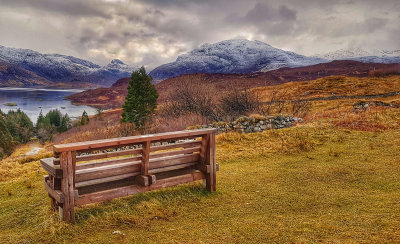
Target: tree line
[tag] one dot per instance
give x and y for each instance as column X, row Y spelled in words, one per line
column 17, row 128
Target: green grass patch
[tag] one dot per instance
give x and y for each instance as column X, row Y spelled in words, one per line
column 301, row 184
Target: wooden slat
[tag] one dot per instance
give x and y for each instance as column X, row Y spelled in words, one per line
column 103, row 155
column 130, row 140
column 173, row 167
column 125, row 166
column 173, row 160
column 55, row 194
column 107, row 171
column 185, row 144
column 175, row 152
column 107, row 162
column 128, row 190
column 54, row 170
column 104, row 180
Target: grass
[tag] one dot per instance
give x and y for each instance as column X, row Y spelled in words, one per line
column 303, row 184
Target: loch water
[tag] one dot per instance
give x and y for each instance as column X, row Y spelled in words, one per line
column 32, row 100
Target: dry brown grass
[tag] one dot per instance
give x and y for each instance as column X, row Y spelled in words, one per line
column 329, row 86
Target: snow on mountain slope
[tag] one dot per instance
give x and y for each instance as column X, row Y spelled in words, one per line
column 358, row 54
column 232, row 56
column 61, row 68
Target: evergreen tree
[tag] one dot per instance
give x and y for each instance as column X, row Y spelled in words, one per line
column 141, row 100
column 65, row 123
column 53, row 117
column 40, row 119
column 19, row 125
column 6, row 141
column 84, row 118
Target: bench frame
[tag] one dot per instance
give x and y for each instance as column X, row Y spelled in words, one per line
column 138, row 164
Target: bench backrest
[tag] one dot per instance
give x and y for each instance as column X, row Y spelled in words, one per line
column 94, row 171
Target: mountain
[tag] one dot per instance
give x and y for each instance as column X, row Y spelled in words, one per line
column 114, row 96
column 358, row 54
column 58, row 68
column 232, row 56
column 12, row 75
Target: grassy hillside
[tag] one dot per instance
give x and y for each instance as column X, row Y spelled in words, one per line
column 301, row 184
column 333, row 178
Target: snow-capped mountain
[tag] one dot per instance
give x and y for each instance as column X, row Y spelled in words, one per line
column 232, row 56
column 61, row 68
column 358, row 54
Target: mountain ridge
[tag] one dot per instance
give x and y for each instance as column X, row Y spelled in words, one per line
column 58, row 68
column 232, row 56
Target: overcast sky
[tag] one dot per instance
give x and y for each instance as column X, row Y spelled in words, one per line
column 153, row 32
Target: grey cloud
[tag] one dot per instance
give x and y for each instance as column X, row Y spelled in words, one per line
column 152, row 32
column 70, row 7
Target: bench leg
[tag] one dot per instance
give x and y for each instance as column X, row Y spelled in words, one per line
column 208, row 158
column 67, row 164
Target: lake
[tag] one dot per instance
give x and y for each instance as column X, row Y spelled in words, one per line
column 31, row 101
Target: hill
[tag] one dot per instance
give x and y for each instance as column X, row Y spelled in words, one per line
column 113, row 97
column 58, row 68
column 12, row 75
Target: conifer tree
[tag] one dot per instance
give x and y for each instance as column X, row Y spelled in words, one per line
column 141, row 100
column 84, row 118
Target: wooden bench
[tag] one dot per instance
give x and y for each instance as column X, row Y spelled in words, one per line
column 120, row 167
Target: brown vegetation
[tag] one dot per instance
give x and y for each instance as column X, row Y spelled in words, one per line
column 222, row 82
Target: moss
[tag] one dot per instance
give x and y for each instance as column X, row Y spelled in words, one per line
column 10, row 104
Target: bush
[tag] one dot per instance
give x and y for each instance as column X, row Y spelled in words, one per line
column 194, row 97
column 239, row 102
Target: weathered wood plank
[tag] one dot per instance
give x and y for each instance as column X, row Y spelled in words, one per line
column 175, row 152
column 54, row 170
column 55, row 194
column 207, row 156
column 124, row 167
column 105, row 180
column 129, row 190
column 130, row 140
column 107, row 162
column 173, row 160
column 213, row 168
column 108, row 171
column 67, row 186
column 173, row 167
column 103, row 155
column 185, row 144
column 145, row 158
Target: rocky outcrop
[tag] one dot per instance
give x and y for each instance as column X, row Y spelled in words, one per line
column 252, row 124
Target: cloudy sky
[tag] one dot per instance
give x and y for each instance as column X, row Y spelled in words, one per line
column 153, row 32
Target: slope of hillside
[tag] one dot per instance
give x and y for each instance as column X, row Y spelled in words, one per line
column 232, row 56
column 113, row 97
column 309, row 184
column 358, row 54
column 65, row 69
column 12, row 75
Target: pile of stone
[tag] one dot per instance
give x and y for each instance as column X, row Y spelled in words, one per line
column 252, row 124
